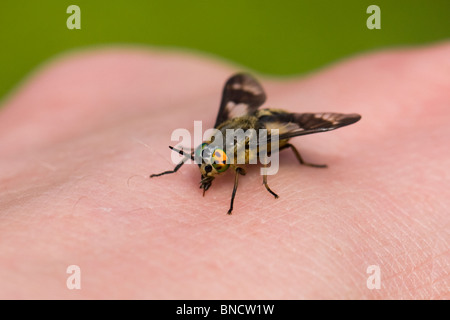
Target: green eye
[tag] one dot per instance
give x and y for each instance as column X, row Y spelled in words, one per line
column 199, row 152
column 219, row 160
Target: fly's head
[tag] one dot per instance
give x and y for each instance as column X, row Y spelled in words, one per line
column 211, row 161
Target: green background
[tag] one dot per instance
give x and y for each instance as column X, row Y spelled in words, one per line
column 273, row 37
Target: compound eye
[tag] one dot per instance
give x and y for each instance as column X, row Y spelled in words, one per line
column 208, row 168
column 219, row 160
column 199, row 151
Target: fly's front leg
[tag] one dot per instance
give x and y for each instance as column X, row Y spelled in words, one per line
column 300, row 159
column 187, row 156
column 239, row 171
column 170, row 171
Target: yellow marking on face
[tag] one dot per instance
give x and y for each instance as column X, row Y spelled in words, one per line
column 219, row 160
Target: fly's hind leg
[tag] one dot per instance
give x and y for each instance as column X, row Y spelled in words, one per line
column 300, row 159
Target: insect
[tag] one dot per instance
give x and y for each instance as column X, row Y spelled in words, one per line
column 239, row 109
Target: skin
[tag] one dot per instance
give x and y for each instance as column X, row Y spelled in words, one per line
column 80, row 137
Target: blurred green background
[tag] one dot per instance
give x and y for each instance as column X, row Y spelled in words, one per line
column 282, row 37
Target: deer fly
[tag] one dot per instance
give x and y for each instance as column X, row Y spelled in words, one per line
column 239, row 109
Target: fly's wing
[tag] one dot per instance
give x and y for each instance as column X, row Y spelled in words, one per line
column 298, row 124
column 242, row 95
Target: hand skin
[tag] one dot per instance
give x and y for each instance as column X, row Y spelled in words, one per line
column 81, row 136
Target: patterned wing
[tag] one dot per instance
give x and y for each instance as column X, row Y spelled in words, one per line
column 298, row 124
column 242, row 95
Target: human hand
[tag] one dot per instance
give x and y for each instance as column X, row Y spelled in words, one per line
column 80, row 138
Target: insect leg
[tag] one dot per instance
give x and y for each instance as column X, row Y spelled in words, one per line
column 267, row 186
column 187, row 156
column 300, row 159
column 236, row 177
column 183, row 153
column 170, row 171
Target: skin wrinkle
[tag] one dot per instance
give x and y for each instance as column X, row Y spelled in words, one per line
column 387, row 250
column 407, row 271
column 315, row 241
